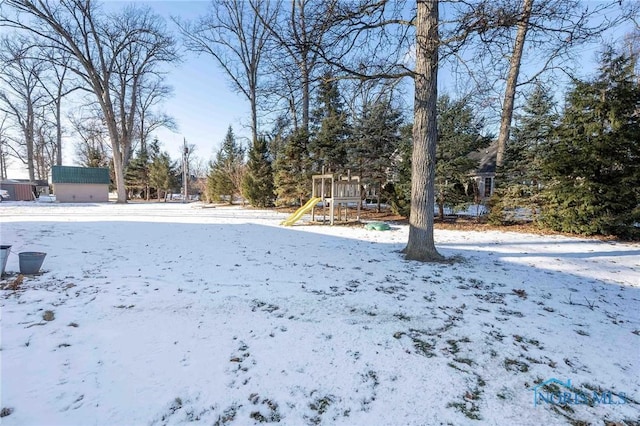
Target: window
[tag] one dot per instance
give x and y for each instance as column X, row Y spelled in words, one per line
column 487, row 187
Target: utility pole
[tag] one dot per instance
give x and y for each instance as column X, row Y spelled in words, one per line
column 185, row 171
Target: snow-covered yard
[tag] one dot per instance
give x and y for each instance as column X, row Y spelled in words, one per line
column 173, row 313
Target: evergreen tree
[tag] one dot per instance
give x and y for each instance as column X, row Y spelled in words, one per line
column 376, row 137
column 162, row 174
column 328, row 144
column 398, row 190
column 277, row 137
column 293, row 170
column 519, row 183
column 257, row 186
column 226, row 171
column 593, row 168
column 96, row 157
column 459, row 135
column 136, row 175
column 219, row 184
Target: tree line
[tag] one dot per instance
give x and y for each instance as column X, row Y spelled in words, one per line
column 285, row 56
column 573, row 167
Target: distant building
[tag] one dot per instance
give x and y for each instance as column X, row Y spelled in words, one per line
column 24, row 189
column 80, row 184
column 485, row 174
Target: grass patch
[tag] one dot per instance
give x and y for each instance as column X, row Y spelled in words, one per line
column 520, row 293
column 511, row 364
column 454, row 348
column 510, row 313
column 227, row 416
column 455, row 367
column 402, row 317
column 271, row 416
column 469, row 407
column 467, row 361
column 321, row 405
column 424, row 348
column 471, row 410
column 264, row 306
column 14, row 284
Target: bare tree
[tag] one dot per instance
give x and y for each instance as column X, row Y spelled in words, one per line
column 491, row 38
column 110, row 55
column 54, row 83
column 512, row 80
column 298, row 34
column 92, row 146
column 151, row 93
column 235, row 33
column 34, row 88
column 45, row 149
column 136, row 62
column 4, row 149
column 21, row 96
column 632, row 43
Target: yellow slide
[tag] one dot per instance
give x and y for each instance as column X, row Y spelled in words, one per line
column 301, row 211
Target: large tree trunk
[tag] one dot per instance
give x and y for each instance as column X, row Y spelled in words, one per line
column 119, row 172
column 305, row 95
column 254, row 116
column 425, row 135
column 512, row 81
column 116, row 148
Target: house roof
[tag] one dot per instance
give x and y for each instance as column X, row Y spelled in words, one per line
column 10, row 182
column 486, row 158
column 85, row 175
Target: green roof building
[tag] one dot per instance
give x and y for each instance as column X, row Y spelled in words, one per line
column 80, row 184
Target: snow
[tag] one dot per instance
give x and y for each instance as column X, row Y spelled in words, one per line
column 176, row 313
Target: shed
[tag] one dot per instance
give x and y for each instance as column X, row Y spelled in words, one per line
column 80, row 184
column 20, row 189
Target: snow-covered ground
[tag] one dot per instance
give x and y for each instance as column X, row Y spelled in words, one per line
column 152, row 314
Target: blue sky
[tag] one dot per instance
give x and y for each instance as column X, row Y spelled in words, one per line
column 204, row 105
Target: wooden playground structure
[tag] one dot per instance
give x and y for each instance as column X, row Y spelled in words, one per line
column 334, row 192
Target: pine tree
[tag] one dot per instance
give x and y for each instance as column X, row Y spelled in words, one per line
column 293, row 170
column 219, row 184
column 162, row 173
column 376, row 137
column 328, row 142
column 136, row 175
column 593, row 168
column 460, row 133
column 398, row 190
column 257, row 186
column 226, row 172
column 519, row 184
